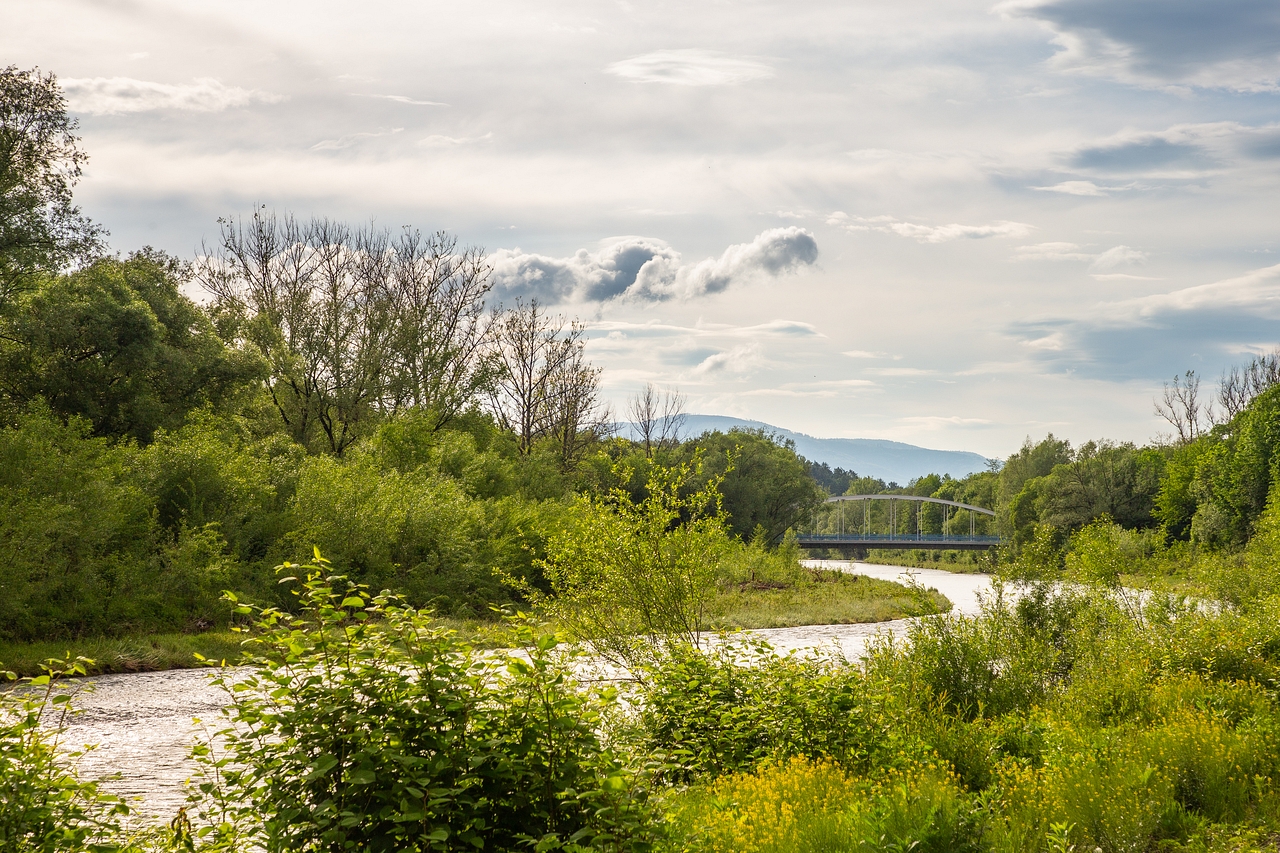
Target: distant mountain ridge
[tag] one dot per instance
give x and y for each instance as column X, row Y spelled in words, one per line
column 891, row 461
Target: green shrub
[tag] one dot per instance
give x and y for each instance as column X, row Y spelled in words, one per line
column 44, row 807
column 736, row 706
column 361, row 727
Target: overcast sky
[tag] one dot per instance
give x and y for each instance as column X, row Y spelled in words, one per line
column 945, row 222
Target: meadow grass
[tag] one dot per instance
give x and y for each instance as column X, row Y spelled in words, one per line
column 821, row 598
column 135, row 653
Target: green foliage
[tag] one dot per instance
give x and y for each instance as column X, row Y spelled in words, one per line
column 41, row 230
column 415, row 533
column 118, row 344
column 737, row 706
column 76, row 533
column 1217, row 486
column 631, row 578
column 44, row 807
column 361, row 727
column 764, row 484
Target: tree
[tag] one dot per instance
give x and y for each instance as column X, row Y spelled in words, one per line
column 355, row 324
column 40, row 161
column 657, row 417
column 1240, row 385
column 632, row 578
column 544, row 386
column 118, row 344
column 1180, row 405
column 765, row 484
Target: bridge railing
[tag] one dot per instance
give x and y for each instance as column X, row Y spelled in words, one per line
column 804, row 538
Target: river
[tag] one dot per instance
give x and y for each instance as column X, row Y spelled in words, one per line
column 142, row 729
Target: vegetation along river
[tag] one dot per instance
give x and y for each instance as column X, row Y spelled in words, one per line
column 143, row 724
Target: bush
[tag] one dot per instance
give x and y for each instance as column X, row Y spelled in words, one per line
column 798, row 806
column 361, row 727
column 736, row 706
column 44, row 807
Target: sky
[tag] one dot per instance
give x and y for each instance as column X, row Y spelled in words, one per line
column 951, row 223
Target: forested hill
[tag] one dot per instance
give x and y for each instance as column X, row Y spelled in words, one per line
column 891, row 461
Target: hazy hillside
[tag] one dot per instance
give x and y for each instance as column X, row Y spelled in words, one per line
column 888, row 460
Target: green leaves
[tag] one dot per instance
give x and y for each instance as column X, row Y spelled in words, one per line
column 391, row 735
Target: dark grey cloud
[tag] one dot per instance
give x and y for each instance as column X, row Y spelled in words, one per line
column 645, row 269
column 1236, row 41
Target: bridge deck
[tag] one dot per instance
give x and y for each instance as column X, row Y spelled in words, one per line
column 935, row 541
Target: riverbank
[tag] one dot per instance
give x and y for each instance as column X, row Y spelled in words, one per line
column 821, row 598
column 829, row 597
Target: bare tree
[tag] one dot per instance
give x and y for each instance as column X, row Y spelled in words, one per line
column 1240, row 385
column 1180, row 406
column 576, row 418
column 439, row 348
column 354, row 324
column 543, row 383
column 657, row 417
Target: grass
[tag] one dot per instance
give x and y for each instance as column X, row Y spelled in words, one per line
column 820, row 598
column 147, row 653
column 959, row 562
column 815, row 598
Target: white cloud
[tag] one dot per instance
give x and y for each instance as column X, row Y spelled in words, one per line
column 861, row 353
column 690, row 68
column 405, row 99
column 740, row 359
column 1257, row 292
column 1230, row 44
column 1051, row 252
column 439, row 141
column 1118, row 256
column 1111, row 258
column 645, row 269
column 352, row 139
column 116, row 95
column 929, row 233
column 1088, row 188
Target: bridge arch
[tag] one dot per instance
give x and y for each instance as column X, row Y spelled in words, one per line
column 865, row 538
column 916, row 498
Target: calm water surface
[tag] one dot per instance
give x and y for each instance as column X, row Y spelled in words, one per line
column 143, row 725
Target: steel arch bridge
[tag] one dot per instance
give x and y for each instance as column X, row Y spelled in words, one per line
column 863, row 537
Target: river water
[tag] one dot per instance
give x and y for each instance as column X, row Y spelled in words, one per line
column 143, row 725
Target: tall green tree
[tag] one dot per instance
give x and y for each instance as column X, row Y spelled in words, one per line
column 119, row 345
column 41, row 230
column 766, row 486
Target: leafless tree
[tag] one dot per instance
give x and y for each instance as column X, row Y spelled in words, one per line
column 577, row 420
column 1180, row 406
column 658, row 417
column 354, row 324
column 1240, row 385
column 543, row 384
column 438, row 350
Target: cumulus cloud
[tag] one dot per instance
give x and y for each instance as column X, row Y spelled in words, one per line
column 648, row 270
column 116, row 95
column 690, row 68
column 1232, row 44
column 929, row 233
